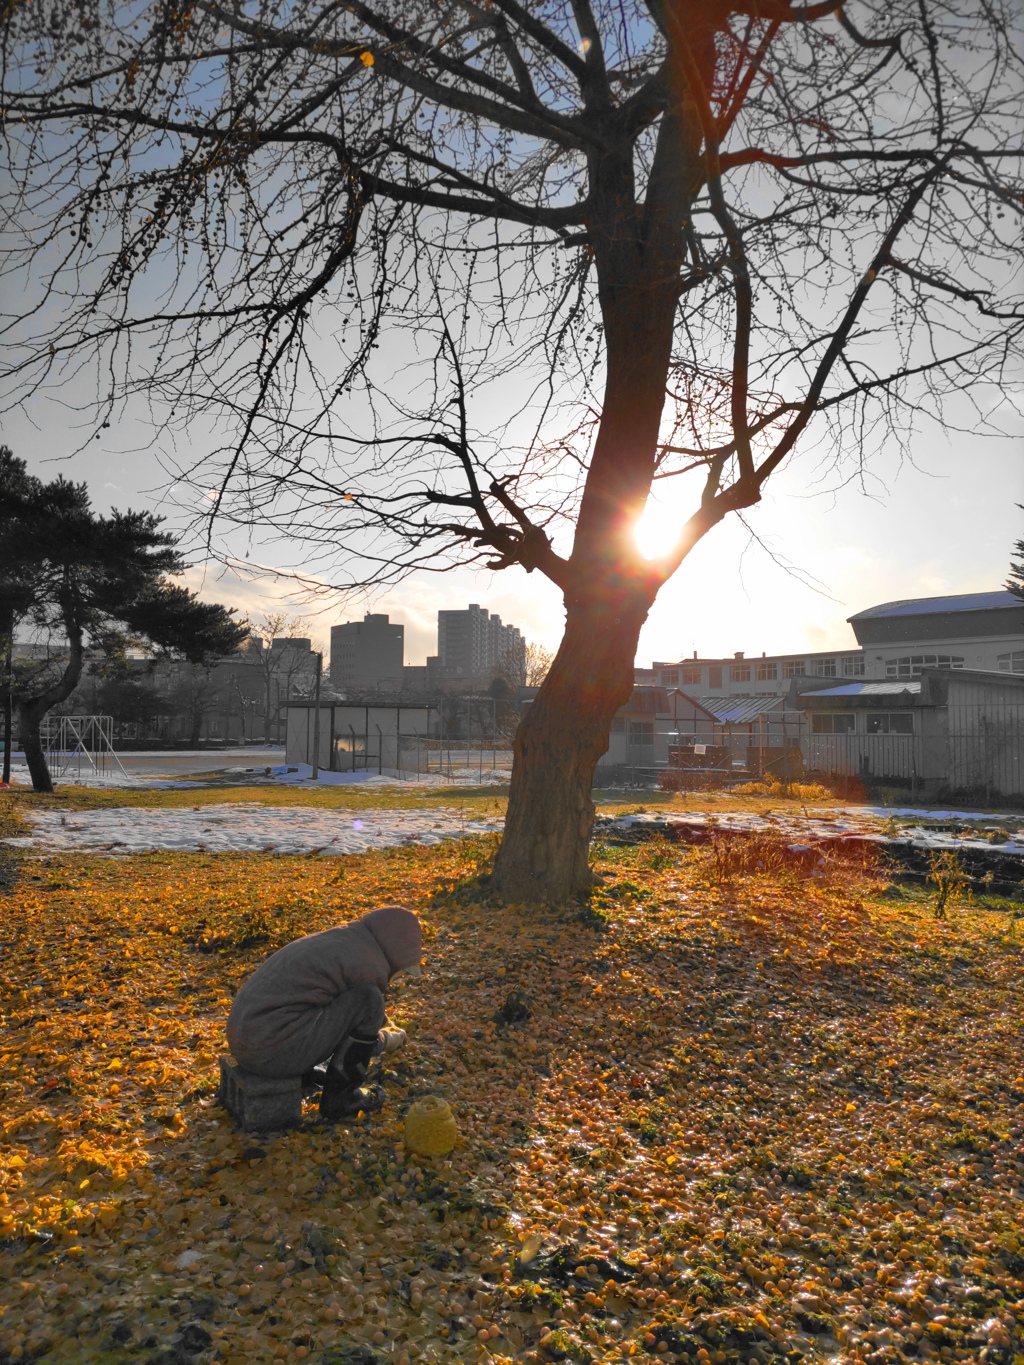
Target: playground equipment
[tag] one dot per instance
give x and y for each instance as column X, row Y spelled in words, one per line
column 80, row 746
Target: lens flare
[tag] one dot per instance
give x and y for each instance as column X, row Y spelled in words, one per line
column 658, row 528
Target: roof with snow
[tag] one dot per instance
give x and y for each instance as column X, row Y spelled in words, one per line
column 740, row 710
column 966, row 616
column 921, row 606
column 865, row 689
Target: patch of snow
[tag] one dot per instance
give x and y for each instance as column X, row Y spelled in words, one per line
column 111, row 782
column 301, row 774
column 863, row 822
column 921, row 813
column 260, row 774
column 244, row 827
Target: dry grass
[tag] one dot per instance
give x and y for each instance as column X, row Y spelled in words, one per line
column 16, row 802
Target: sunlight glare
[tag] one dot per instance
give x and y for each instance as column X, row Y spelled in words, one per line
column 658, row 529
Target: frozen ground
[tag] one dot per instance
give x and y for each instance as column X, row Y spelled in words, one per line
column 245, row 828
column 250, row 827
column 301, row 775
column 155, row 772
column 110, row 782
column 923, row 828
column 154, row 769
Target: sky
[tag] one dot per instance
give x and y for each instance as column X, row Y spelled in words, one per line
column 940, row 519
column 943, row 521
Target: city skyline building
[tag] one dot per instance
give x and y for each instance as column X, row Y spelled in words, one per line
column 366, row 653
column 477, row 646
column 474, row 646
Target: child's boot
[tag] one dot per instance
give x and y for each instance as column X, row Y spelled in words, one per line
column 345, row 1091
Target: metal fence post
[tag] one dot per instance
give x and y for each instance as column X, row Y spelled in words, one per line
column 316, row 715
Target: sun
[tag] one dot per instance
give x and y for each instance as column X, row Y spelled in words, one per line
column 658, row 529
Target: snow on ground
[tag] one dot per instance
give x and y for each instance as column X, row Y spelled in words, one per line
column 245, row 828
column 110, row 782
column 865, row 821
column 301, row 774
column 277, row 774
column 942, row 816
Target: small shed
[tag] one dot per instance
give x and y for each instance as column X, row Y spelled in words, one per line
column 360, row 738
column 760, row 734
column 946, row 731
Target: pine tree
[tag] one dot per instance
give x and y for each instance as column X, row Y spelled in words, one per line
column 89, row 581
column 1015, row 582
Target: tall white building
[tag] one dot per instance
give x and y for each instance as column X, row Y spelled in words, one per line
column 474, row 646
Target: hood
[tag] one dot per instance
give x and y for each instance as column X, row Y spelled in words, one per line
column 398, row 935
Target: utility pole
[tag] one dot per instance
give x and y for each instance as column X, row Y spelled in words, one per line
column 316, row 715
column 8, row 709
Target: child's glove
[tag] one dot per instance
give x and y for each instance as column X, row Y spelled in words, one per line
column 390, row 1039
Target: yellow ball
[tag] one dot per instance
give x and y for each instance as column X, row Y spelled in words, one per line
column 430, row 1128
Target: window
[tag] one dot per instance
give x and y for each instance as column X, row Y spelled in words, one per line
column 837, row 723
column 910, row 665
column 793, row 668
column 740, row 672
column 823, row 668
column 670, row 677
column 890, row 723
column 691, row 676
column 641, row 732
column 714, row 677
column 854, row 668
column 767, row 672
column 1011, row 663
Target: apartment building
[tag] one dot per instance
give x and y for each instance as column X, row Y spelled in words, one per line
column 474, row 646
column 366, row 653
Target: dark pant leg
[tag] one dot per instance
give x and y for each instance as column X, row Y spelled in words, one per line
column 358, row 1045
column 358, row 1010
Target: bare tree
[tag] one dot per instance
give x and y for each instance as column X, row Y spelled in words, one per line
column 692, row 234
column 276, row 666
column 195, row 694
column 538, row 664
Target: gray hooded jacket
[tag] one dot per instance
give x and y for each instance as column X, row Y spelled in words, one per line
column 302, row 988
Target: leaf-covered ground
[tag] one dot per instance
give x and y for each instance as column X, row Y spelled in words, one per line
column 752, row 1117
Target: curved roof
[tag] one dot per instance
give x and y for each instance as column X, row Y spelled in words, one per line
column 922, row 606
column 865, row 689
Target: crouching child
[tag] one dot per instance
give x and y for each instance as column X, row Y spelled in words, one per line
column 321, row 999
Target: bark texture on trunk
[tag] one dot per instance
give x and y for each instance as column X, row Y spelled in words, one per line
column 544, row 854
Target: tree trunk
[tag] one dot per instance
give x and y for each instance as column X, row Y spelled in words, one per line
column 638, row 254
column 29, row 722
column 31, row 710
column 544, row 854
